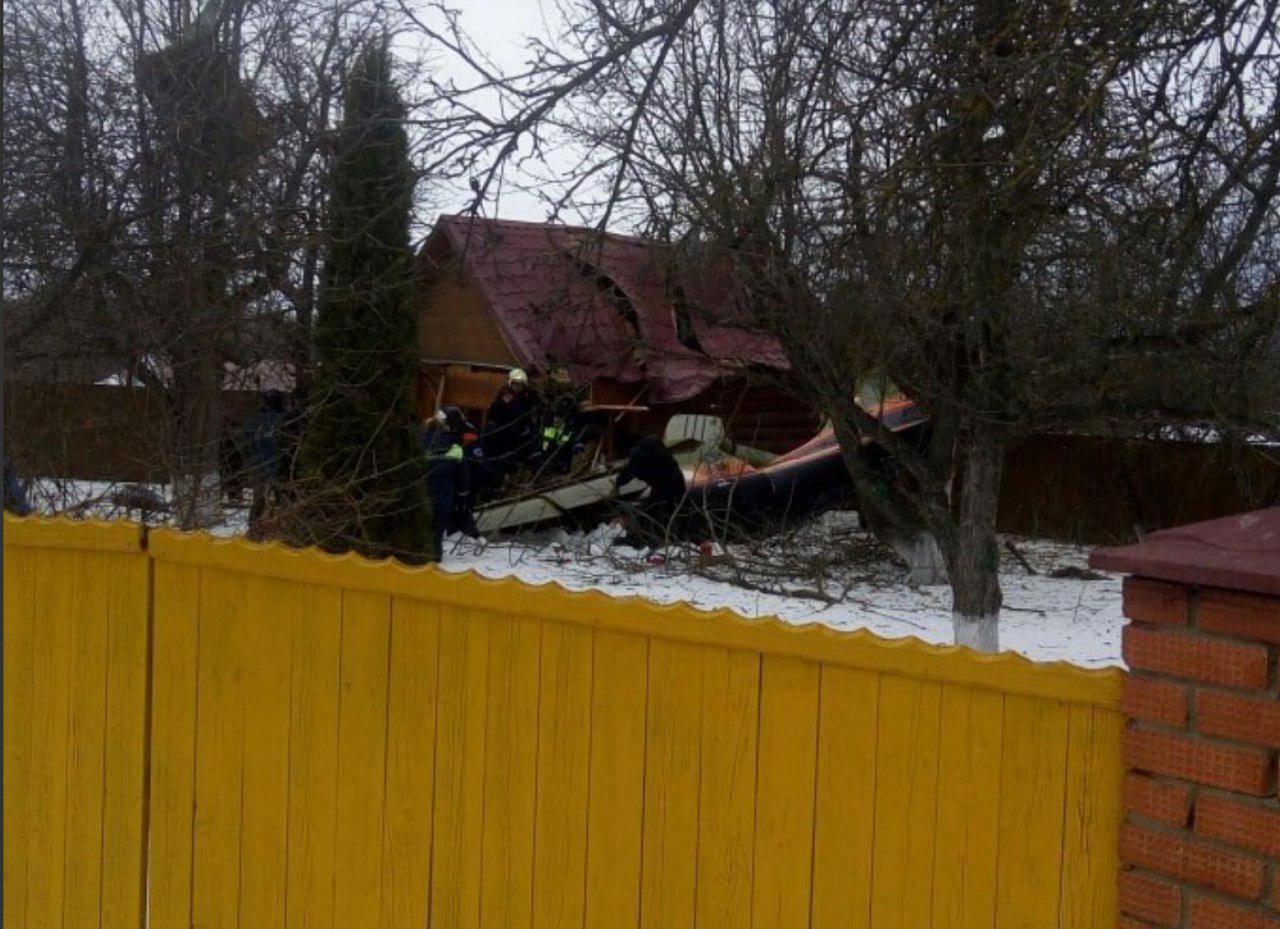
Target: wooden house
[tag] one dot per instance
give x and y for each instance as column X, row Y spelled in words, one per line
column 611, row 313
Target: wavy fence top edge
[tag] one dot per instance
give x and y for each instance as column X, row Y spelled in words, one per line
column 859, row 649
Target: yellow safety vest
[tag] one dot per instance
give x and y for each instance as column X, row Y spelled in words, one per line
column 453, row 454
column 553, row 435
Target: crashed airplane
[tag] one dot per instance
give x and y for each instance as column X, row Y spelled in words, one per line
column 775, row 491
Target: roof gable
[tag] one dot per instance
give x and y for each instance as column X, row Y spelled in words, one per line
column 601, row 305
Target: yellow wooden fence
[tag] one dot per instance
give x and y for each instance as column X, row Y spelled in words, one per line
column 227, row 734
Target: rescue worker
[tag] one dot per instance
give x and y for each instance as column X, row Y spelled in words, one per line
column 560, row 436
column 262, row 434
column 450, row 443
column 651, row 462
column 444, row 471
column 473, row 474
column 510, row 426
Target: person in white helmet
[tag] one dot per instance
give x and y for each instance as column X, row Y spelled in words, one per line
column 511, row 426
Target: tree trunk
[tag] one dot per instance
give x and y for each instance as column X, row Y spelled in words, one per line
column 885, row 513
column 306, row 317
column 926, row 566
column 973, row 554
column 197, row 485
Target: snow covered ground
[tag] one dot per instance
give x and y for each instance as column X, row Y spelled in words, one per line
column 112, row 500
column 831, row 574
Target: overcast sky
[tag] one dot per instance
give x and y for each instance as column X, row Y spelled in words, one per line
column 497, row 26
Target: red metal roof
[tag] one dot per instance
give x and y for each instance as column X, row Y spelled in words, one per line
column 1236, row 552
column 601, row 305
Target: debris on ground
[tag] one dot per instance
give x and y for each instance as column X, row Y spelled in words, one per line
column 1078, row 573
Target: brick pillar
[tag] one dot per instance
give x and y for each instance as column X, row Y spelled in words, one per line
column 1200, row 846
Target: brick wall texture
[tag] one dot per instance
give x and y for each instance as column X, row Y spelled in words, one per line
column 1200, row 848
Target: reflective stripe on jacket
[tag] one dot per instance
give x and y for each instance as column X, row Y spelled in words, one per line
column 554, row 435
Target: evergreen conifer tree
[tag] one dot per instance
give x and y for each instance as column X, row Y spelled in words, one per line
column 362, row 461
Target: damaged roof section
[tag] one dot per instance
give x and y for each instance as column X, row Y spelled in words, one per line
column 600, row 305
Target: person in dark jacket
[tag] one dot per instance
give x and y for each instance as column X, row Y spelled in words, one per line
column 444, row 471
column 15, row 495
column 474, row 475
column 510, row 431
column 262, row 442
column 652, row 463
column 561, row 435
column 451, row 446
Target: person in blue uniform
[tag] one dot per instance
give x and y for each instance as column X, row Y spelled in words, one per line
column 452, row 449
column 262, row 452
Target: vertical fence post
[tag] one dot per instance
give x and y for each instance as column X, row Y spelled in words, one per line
column 1200, row 845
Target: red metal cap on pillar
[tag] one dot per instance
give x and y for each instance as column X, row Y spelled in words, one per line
column 1236, row 552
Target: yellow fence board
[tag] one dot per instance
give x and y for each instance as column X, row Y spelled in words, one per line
column 313, row 758
column 846, row 790
column 57, row 585
column 123, row 802
column 964, row 874
column 615, row 811
column 86, row 734
column 726, row 806
column 511, row 764
column 1032, row 781
column 1093, row 792
column 219, row 774
column 21, row 638
column 173, row 725
column 672, row 772
column 411, row 726
column 906, row 803
column 787, row 756
column 362, row 754
column 459, row 767
column 564, row 745
column 270, row 607
column 319, row 742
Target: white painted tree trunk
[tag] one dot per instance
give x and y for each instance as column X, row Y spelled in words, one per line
column 925, row 565
column 981, row 633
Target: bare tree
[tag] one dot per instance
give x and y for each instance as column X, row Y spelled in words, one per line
column 1029, row 217
column 165, row 195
